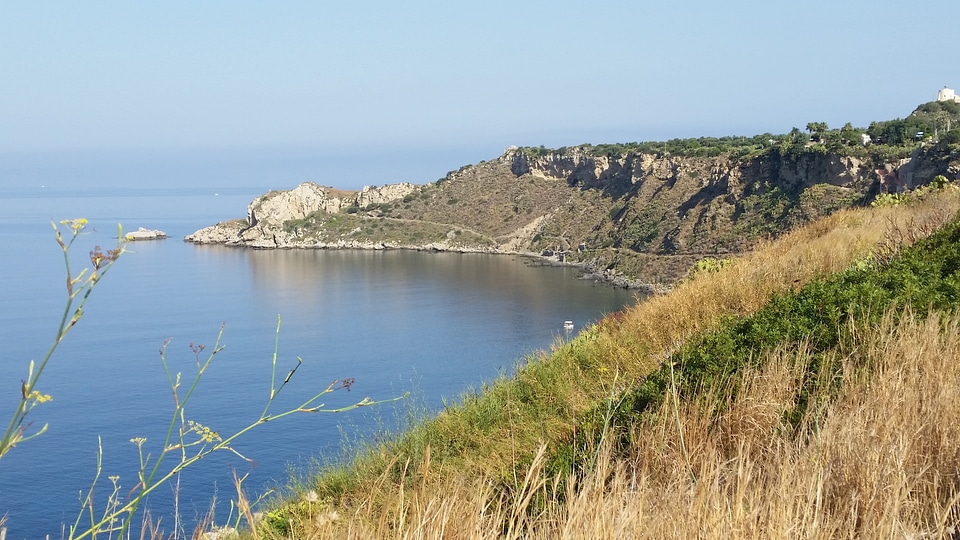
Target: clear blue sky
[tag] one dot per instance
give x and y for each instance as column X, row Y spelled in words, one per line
column 111, row 76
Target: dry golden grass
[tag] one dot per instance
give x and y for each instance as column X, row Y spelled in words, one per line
column 881, row 460
column 879, row 463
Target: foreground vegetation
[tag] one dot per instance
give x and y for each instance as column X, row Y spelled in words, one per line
column 804, row 389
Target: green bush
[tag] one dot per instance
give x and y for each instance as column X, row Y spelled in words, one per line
column 951, row 137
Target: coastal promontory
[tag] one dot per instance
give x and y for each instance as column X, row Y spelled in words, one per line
column 638, row 213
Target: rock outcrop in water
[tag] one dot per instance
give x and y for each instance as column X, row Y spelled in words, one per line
column 144, row 234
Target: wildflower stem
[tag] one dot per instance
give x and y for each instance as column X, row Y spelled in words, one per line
column 14, row 433
column 273, row 371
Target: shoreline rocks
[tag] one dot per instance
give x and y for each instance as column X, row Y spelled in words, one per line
column 230, row 234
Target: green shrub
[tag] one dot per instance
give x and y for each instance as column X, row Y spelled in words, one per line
column 888, row 199
column 951, row 137
column 710, row 265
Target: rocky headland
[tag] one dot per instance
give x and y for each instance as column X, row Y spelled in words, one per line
column 636, row 219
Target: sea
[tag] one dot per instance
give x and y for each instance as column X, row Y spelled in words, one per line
column 428, row 326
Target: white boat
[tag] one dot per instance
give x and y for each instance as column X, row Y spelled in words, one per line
column 568, row 325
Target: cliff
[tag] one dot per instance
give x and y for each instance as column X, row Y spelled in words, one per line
column 629, row 217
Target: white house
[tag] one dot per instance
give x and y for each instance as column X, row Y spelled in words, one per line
column 947, row 94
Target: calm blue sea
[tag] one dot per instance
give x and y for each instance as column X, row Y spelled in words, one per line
column 431, row 324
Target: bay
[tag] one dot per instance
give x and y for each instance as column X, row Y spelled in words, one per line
column 432, row 324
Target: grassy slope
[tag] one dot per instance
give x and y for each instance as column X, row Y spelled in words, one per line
column 518, row 434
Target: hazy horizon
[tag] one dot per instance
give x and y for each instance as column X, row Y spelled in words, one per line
column 120, row 77
column 263, row 168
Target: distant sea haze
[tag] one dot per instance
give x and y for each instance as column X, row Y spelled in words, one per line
column 259, row 169
column 431, row 324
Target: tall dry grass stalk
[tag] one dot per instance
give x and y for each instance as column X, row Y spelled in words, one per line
column 880, row 460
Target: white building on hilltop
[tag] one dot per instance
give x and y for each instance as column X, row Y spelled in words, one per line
column 947, row 94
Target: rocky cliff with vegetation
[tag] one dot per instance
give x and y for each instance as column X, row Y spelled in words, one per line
column 630, row 213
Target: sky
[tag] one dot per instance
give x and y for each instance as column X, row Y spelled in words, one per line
column 421, row 87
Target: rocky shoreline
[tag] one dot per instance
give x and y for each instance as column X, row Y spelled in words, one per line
column 231, row 234
column 590, row 272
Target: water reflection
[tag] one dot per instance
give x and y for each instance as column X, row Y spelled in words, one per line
column 434, row 323
column 398, row 279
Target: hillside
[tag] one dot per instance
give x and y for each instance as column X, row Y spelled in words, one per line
column 805, row 389
column 632, row 214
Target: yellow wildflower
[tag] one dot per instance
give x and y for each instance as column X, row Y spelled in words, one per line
column 75, row 224
column 205, row 433
column 37, row 397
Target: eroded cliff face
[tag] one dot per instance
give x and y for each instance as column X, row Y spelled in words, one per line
column 644, row 217
column 925, row 163
column 680, row 205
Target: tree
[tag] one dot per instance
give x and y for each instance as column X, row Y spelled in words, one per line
column 817, row 129
column 894, row 132
column 951, row 137
column 851, row 135
column 797, row 137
